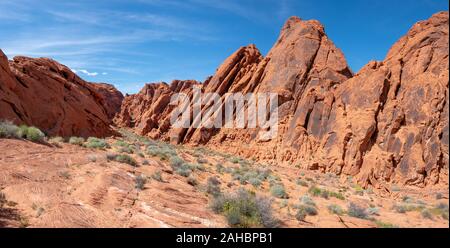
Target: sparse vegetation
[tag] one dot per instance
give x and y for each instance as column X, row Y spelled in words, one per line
column 125, row 159
column 213, row 186
column 302, row 182
column 307, row 200
column 56, row 140
column 357, row 211
column 111, row 156
column 373, row 211
column 162, row 151
column 192, row 181
column 279, row 191
column 76, row 141
column 403, row 208
column 97, row 143
column 305, row 210
column 35, row 135
column 140, row 181
column 316, row 191
column 426, row 214
column 381, row 224
column 245, row 209
column 335, row 209
column 65, row 175
column 9, row 130
column 157, row 176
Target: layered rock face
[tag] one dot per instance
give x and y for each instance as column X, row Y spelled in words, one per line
column 48, row 95
column 148, row 112
column 386, row 124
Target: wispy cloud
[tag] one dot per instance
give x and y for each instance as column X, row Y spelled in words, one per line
column 86, row 72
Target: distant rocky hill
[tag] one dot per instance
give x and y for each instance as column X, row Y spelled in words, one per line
column 46, row 94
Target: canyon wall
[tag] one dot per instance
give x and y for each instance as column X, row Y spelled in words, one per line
column 386, row 124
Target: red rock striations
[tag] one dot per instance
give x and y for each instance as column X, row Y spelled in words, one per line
column 386, row 124
column 48, row 95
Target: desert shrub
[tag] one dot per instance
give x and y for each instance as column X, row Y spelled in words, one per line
column 97, row 143
column 65, row 174
column 407, row 208
column 335, row 209
column 359, row 190
column 255, row 182
column 213, row 186
column 426, row 214
column 325, row 194
column 22, row 131
column 157, row 176
column 357, row 211
column 305, row 210
column 440, row 209
column 192, row 181
column 145, row 162
column 56, row 140
column 8, row 130
column 307, row 200
column 283, row 203
column 34, row 134
column 300, row 215
column 76, row 141
column 164, row 152
column 140, row 181
column 264, row 206
column 373, row 211
column 202, row 161
column 444, row 215
column 219, row 168
column 337, row 195
column 244, row 209
column 92, row 158
column 439, row 196
column 407, row 199
column 126, row 159
column 176, row 162
column 315, row 191
column 184, row 170
column 302, row 182
column 278, row 191
column 111, row 156
column 400, row 209
column 381, row 224
column 235, row 160
column 197, row 167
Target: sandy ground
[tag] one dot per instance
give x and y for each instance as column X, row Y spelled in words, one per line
column 64, row 185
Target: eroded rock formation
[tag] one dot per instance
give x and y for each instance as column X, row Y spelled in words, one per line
column 43, row 93
column 386, row 124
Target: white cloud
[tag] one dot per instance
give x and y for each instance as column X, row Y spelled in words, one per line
column 85, row 72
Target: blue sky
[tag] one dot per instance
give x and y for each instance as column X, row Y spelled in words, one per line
column 130, row 43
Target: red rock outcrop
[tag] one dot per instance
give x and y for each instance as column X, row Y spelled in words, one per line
column 43, row 93
column 148, row 112
column 112, row 98
column 386, row 124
